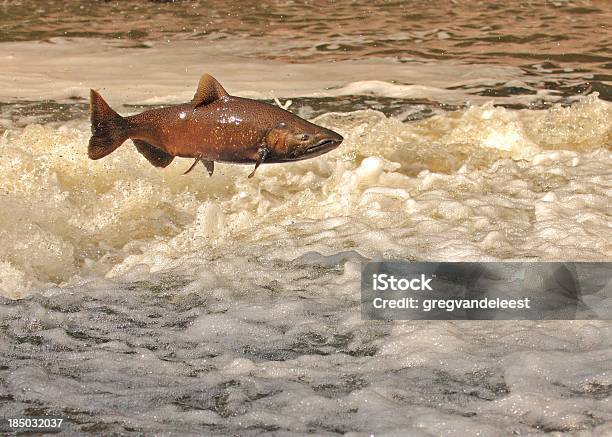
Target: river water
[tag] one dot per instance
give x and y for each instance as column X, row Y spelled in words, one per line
column 136, row 300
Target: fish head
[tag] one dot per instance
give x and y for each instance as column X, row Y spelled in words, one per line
column 300, row 139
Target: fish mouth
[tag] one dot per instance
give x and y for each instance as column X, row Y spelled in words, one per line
column 324, row 145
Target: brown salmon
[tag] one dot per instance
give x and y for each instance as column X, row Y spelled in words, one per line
column 213, row 127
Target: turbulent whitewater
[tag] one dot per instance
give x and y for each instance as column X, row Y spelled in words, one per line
column 483, row 183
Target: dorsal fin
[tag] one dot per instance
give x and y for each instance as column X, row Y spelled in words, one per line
column 208, row 91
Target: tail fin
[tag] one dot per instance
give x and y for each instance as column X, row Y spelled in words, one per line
column 109, row 129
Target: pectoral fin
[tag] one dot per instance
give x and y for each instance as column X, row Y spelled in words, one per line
column 155, row 156
column 263, row 154
column 210, row 166
column 208, row 91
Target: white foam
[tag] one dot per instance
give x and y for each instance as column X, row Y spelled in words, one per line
column 395, row 187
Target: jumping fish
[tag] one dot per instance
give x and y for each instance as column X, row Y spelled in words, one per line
column 213, row 127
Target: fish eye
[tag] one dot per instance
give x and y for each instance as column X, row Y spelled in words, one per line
column 304, row 137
